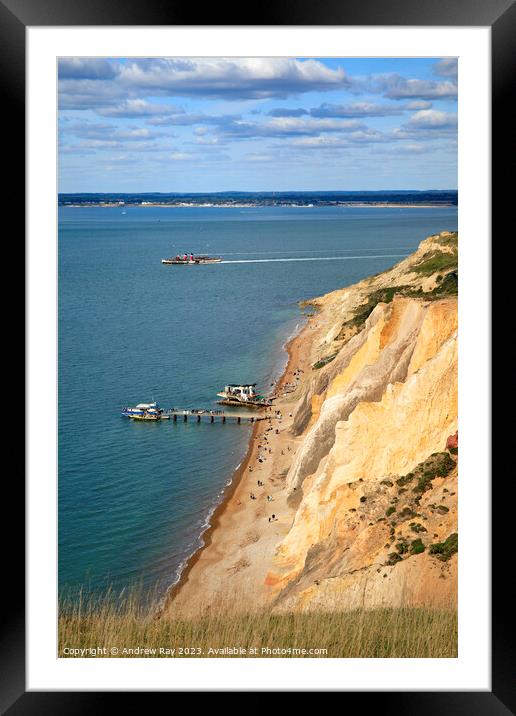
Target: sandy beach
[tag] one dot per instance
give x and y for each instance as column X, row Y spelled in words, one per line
column 245, row 530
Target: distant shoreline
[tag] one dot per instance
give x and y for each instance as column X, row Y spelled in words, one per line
column 347, row 204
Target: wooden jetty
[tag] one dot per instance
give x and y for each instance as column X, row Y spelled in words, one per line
column 176, row 414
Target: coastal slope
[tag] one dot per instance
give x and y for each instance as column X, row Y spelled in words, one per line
column 357, row 505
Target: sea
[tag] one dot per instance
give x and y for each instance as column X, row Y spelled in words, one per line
column 135, row 498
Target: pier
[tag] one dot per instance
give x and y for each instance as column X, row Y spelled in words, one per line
column 176, row 414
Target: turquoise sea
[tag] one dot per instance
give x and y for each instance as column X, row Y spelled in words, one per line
column 135, row 498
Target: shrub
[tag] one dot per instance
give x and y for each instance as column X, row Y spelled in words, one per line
column 439, row 464
column 449, row 286
column 406, row 512
column 405, row 479
column 402, row 547
column 417, row 546
column 416, row 527
column 324, row 361
column 393, row 558
column 444, row 550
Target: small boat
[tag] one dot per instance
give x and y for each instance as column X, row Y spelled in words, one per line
column 132, row 412
column 146, row 416
column 191, row 259
column 143, row 411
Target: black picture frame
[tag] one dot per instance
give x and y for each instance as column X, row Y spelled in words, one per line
column 500, row 15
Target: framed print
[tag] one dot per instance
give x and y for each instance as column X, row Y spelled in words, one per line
column 258, row 366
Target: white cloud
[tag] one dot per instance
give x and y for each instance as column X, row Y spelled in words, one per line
column 394, row 86
column 133, row 108
column 356, row 109
column 423, row 89
column 86, row 68
column 181, row 156
column 288, row 126
column 418, row 104
column 325, row 141
column 432, row 119
column 447, row 67
column 225, row 77
column 256, row 157
column 90, row 83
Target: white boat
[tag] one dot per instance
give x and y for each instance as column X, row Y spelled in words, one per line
column 243, row 395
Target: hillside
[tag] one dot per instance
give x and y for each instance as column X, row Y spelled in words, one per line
column 372, row 483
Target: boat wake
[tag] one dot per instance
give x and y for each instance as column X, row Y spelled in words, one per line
column 314, row 258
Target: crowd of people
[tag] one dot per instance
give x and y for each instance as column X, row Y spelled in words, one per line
column 264, row 452
column 264, row 446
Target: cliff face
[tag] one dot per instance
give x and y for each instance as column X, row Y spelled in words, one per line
column 373, row 481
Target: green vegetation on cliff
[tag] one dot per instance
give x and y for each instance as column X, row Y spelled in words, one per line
column 443, row 263
column 324, row 361
column 436, row 261
column 445, row 550
column 439, row 464
column 440, row 261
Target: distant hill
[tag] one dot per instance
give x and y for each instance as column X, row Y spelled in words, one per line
column 236, row 198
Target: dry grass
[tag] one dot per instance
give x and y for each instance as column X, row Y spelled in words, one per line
column 380, row 633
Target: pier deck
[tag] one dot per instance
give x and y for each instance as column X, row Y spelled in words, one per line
column 213, row 415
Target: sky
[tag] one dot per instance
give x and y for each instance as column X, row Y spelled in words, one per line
column 257, row 124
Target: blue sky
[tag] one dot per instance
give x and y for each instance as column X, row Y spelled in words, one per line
column 257, row 124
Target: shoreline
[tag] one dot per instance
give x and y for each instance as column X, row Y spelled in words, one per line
column 236, row 481
column 214, row 522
